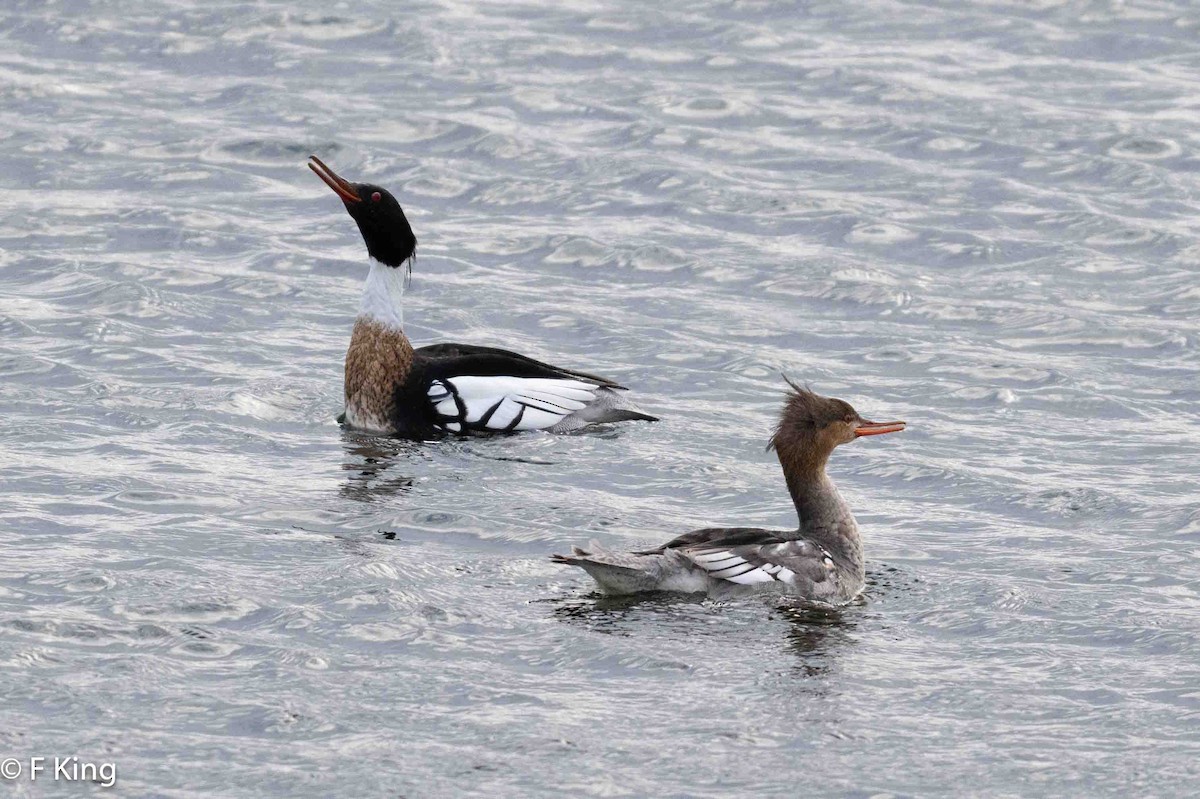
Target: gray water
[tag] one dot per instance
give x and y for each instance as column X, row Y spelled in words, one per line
column 984, row 220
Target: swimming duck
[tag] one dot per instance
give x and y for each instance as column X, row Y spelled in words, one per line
column 425, row 392
column 821, row 560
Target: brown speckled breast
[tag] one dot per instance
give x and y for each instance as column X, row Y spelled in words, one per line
column 378, row 359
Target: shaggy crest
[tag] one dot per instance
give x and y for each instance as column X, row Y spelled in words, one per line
column 806, row 412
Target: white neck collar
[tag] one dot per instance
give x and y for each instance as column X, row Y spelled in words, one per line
column 383, row 295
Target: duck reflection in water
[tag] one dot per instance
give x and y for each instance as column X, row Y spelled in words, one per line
column 368, row 461
column 816, row 634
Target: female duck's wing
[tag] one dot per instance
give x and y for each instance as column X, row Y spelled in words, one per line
column 487, row 389
column 749, row 555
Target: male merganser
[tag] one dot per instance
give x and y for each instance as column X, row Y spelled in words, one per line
column 821, row 561
column 394, row 389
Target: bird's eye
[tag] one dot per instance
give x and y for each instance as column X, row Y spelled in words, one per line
column 848, row 417
column 376, row 197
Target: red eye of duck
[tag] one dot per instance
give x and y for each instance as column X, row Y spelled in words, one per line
column 376, row 197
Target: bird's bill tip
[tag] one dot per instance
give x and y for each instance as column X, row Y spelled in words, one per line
column 877, row 428
column 341, row 187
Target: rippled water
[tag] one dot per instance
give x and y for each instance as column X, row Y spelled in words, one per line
column 981, row 219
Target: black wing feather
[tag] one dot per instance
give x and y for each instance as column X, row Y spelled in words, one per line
column 450, row 359
column 722, row 537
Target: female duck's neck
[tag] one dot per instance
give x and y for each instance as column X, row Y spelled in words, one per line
column 383, row 296
column 821, row 510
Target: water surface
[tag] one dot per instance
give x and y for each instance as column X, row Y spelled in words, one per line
column 980, row 218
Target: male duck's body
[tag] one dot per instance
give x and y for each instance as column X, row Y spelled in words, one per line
column 424, row 392
column 821, row 560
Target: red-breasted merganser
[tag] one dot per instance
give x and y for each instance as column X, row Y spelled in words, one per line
column 822, row 560
column 425, row 392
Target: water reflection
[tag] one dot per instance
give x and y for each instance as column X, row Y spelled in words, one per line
column 368, row 461
column 816, row 634
column 608, row 614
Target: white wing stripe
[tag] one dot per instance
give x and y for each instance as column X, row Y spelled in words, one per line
column 534, row 419
column 709, row 559
column 736, row 570
column 503, row 416
column 477, row 409
column 725, row 565
column 560, row 406
column 751, row 577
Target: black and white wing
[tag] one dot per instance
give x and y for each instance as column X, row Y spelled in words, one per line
column 485, row 389
column 749, row 556
column 504, row 403
column 793, row 562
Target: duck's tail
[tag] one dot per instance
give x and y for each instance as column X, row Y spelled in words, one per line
column 610, row 405
column 624, row 572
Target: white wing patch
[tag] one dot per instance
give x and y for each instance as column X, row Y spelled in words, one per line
column 725, row 565
column 507, row 403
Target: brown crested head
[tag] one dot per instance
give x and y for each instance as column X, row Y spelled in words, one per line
column 812, row 425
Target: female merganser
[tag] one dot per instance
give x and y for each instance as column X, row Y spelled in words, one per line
column 821, row 561
column 394, row 389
